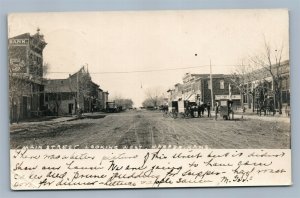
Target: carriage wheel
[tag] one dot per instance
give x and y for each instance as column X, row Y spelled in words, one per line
column 181, row 115
column 165, row 114
column 174, row 115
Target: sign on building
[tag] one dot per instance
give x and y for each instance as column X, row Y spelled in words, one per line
column 227, row 97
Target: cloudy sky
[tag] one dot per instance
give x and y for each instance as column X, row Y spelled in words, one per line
column 130, row 52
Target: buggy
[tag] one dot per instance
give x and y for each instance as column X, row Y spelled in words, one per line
column 225, row 109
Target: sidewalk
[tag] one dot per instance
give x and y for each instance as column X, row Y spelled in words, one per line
column 24, row 126
column 253, row 115
column 264, row 118
column 51, row 120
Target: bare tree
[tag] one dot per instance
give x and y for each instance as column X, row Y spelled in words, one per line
column 270, row 61
column 240, row 77
column 80, row 86
column 120, row 101
column 154, row 96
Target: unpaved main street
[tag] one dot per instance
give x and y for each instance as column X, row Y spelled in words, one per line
column 150, row 128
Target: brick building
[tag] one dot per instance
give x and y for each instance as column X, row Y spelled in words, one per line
column 261, row 86
column 196, row 88
column 25, row 56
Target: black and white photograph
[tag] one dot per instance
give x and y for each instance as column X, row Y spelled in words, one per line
column 197, row 79
column 210, row 79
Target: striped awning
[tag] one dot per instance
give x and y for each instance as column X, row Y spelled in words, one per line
column 191, row 97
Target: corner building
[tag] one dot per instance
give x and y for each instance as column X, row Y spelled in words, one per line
column 25, row 56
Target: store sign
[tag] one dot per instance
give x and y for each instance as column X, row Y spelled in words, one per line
column 227, row 97
column 18, row 41
column 17, row 65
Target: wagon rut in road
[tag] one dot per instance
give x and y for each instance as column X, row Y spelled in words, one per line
column 142, row 132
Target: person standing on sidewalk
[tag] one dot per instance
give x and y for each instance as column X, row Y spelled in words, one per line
column 208, row 109
column 217, row 110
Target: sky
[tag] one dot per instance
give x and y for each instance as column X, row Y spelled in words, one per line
column 130, row 52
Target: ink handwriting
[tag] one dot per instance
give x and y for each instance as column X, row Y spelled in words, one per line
column 66, row 169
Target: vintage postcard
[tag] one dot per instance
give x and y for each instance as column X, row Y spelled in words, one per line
column 147, row 99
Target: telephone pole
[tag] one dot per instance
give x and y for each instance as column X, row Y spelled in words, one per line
column 211, row 86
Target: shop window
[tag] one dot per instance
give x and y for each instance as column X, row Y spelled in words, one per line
column 221, row 84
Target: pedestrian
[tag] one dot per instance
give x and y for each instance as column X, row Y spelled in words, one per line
column 199, row 111
column 217, row 110
column 208, row 109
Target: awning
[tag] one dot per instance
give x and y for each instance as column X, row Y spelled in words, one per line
column 191, row 97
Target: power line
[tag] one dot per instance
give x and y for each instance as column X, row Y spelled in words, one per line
column 145, row 71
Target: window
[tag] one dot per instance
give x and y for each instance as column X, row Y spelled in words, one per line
column 221, row 84
column 245, row 98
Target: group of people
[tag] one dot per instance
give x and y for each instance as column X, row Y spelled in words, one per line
column 193, row 109
column 200, row 109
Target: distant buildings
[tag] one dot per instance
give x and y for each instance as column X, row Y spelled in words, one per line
column 31, row 95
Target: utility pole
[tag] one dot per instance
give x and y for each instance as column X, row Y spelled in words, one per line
column 211, row 86
column 242, row 90
column 77, row 79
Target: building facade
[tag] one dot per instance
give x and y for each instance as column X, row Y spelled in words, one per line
column 25, row 56
column 197, row 88
column 105, row 99
column 261, row 87
column 266, row 87
column 77, row 92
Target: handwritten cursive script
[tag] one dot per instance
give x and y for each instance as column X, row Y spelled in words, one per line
column 132, row 168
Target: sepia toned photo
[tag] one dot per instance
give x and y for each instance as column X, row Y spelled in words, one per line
column 135, row 87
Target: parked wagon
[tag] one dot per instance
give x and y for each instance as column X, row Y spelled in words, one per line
column 171, row 110
column 225, row 109
column 187, row 109
column 111, row 107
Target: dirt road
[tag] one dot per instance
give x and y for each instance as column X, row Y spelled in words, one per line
column 149, row 128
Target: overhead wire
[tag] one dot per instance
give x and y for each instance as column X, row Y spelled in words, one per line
column 145, row 71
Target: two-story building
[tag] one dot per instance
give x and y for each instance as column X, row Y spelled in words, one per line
column 261, row 86
column 197, row 88
column 78, row 91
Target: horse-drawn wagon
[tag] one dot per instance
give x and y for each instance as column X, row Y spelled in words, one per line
column 225, row 109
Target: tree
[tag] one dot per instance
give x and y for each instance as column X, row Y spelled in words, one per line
column 147, row 103
column 80, row 85
column 240, row 77
column 125, row 103
column 85, row 88
column 154, row 97
column 270, row 61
